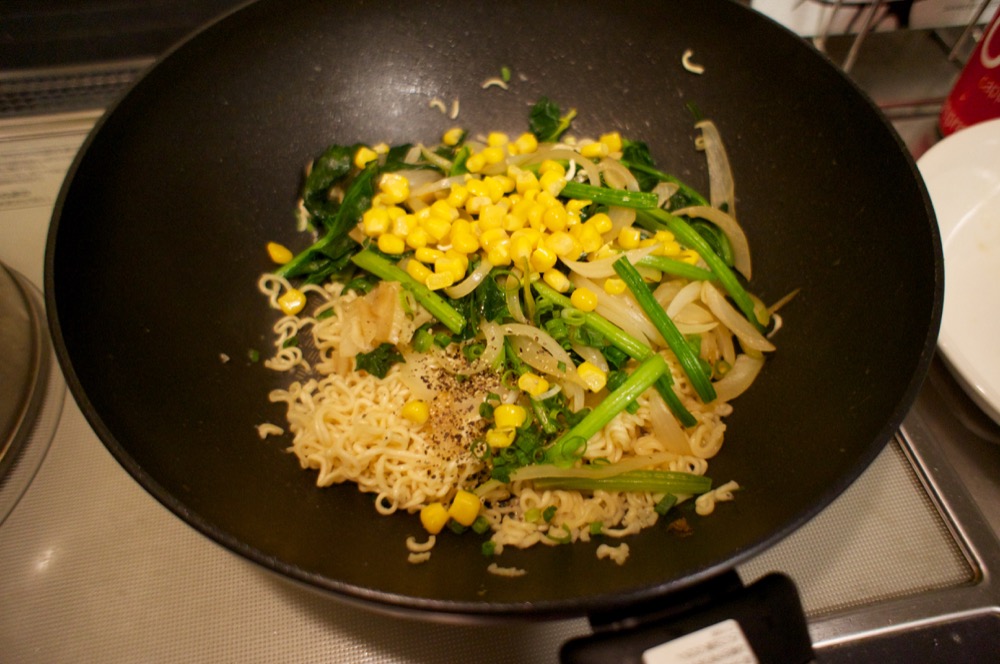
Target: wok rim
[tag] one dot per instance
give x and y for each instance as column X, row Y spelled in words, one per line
column 460, row 611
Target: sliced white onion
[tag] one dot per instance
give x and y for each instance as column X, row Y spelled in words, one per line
column 720, row 176
column 732, row 230
column 621, row 217
column 604, row 267
column 512, row 291
column 665, row 427
column 623, row 311
column 557, row 153
column 665, row 191
column 747, row 334
column 740, row 377
column 538, row 349
column 592, row 355
column 467, row 285
column 421, row 185
column 686, row 296
column 617, row 176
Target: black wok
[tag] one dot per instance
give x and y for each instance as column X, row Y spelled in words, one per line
column 158, row 239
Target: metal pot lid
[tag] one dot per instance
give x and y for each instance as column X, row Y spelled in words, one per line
column 22, row 375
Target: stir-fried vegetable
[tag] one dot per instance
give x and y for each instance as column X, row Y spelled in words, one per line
column 550, row 264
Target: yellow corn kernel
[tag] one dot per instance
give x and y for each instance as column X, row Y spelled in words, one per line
column 417, row 238
column 434, row 517
column 557, row 280
column 521, row 250
column 543, row 259
column 536, row 211
column 525, row 143
column 492, row 237
column 416, row 411
column 279, row 253
column 594, row 150
column 564, row 245
column 491, row 216
column 499, row 255
column 464, row 508
column 439, row 280
column 514, row 222
column 500, row 437
column 437, row 227
column 600, row 222
column 494, row 189
column 497, row 139
column 551, row 166
column 555, row 218
column 669, row 249
column 506, row 183
column 532, row 384
column 552, row 182
column 629, row 237
column 476, row 162
column 613, row 140
column 475, row 204
column 584, row 299
column 575, row 205
column 452, row 136
column 395, row 188
column 450, row 266
column 664, row 236
column 391, row 244
column 525, row 181
column 465, row 243
column 592, row 376
column 403, row 225
column 292, row 302
column 418, row 270
column 428, row 254
column 614, row 286
column 457, row 195
column 375, row 221
column 493, row 155
column 689, row 256
column 590, row 240
column 443, row 210
column 509, row 415
column 364, row 155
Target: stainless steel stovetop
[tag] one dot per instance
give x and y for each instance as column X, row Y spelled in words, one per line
column 901, row 567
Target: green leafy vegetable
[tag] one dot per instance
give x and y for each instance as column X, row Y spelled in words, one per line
column 379, row 361
column 546, row 121
column 687, row 358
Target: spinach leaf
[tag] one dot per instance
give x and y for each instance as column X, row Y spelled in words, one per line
column 546, row 121
column 379, row 361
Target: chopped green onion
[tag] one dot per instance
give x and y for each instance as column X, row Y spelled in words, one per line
column 434, row 303
column 641, row 379
column 665, row 504
column 676, row 268
column 481, row 525
column 625, row 342
column 687, row 358
column 688, row 236
column 608, row 196
column 656, row 481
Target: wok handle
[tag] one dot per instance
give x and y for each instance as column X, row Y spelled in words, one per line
column 717, row 621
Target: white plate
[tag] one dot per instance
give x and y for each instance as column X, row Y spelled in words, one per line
column 962, row 174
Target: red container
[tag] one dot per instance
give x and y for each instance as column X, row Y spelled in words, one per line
column 976, row 95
